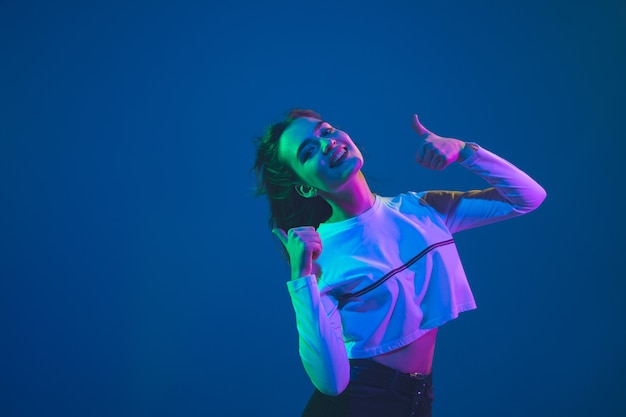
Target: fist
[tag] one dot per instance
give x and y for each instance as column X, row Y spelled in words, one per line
column 304, row 246
column 436, row 152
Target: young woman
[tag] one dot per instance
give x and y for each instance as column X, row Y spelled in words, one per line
column 372, row 277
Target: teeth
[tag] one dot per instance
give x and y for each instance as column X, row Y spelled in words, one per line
column 338, row 156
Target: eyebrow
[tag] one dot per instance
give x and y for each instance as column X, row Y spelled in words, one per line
column 308, row 140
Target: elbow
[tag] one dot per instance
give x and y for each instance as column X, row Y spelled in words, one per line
column 334, row 383
column 539, row 196
column 334, row 388
column 533, row 200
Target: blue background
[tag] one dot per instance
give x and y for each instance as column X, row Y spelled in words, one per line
column 137, row 273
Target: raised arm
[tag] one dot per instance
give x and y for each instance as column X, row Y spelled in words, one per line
column 320, row 336
column 512, row 191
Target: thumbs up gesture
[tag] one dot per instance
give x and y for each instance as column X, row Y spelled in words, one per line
column 304, row 246
column 436, row 152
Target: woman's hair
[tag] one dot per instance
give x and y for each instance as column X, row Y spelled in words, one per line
column 277, row 180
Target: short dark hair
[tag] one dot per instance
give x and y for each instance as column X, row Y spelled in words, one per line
column 277, row 180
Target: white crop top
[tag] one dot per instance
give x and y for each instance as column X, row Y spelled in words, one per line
column 392, row 273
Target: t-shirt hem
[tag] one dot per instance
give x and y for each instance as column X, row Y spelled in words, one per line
column 397, row 344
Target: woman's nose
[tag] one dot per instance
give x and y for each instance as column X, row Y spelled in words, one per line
column 328, row 146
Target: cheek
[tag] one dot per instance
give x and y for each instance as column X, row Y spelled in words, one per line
column 346, row 138
column 304, row 174
column 315, row 175
column 311, row 177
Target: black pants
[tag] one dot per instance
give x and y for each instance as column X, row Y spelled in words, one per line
column 376, row 391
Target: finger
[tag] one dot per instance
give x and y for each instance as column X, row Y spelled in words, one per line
column 311, row 241
column 418, row 127
column 281, row 235
column 317, row 251
column 300, row 229
column 304, row 234
column 427, row 161
column 440, row 163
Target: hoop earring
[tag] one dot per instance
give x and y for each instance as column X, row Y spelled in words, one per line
column 306, row 191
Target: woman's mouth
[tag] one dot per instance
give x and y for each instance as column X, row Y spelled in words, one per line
column 338, row 156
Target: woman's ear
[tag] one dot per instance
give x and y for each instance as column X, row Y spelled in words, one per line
column 306, row 191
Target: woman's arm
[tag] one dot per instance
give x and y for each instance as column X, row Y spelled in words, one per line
column 321, row 346
column 513, row 192
column 320, row 335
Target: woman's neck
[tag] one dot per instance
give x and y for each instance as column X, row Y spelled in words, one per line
column 351, row 201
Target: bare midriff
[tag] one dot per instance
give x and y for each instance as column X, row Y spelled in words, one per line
column 417, row 356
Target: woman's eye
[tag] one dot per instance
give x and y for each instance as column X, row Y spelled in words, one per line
column 307, row 153
column 327, row 131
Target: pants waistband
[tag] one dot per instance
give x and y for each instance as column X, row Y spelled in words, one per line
column 372, row 373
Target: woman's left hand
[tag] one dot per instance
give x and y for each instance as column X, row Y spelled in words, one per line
column 436, row 152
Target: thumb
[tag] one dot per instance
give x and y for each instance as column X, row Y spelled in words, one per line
column 418, row 127
column 281, row 235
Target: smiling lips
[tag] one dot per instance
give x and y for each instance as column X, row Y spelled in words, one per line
column 338, row 156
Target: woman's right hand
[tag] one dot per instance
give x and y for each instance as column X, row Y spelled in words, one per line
column 304, row 246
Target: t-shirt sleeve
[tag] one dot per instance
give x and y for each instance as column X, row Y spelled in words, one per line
column 512, row 193
column 320, row 337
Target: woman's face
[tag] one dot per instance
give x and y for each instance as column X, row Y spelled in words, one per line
column 322, row 156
